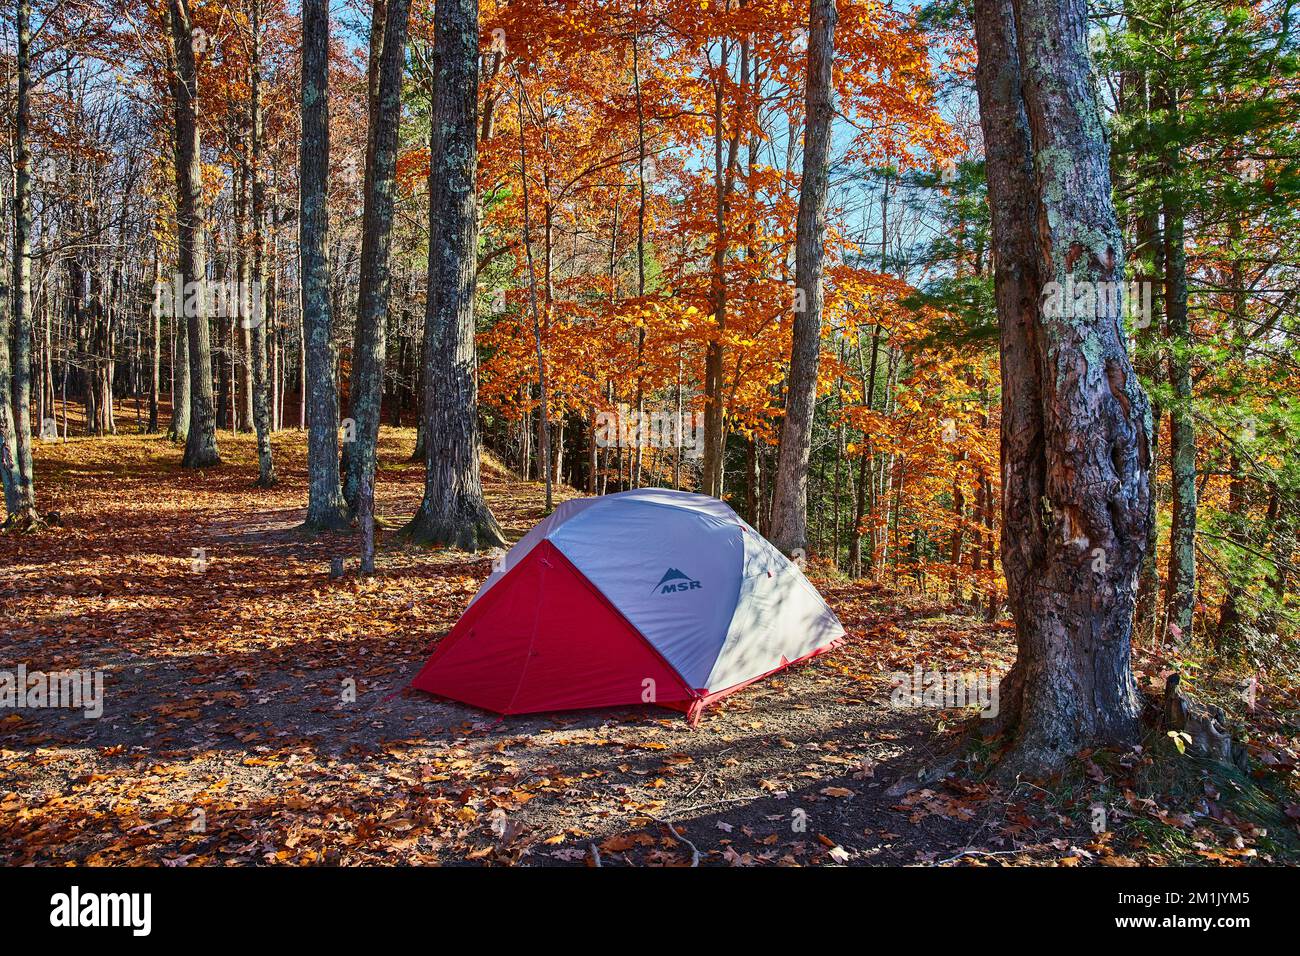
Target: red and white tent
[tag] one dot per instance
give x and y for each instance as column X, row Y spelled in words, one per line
column 647, row 596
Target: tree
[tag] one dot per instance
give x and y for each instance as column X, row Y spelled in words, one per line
column 8, row 473
column 325, row 508
column 179, row 429
column 543, row 394
column 257, row 322
column 790, row 503
column 453, row 511
column 725, row 153
column 1075, row 421
column 201, row 437
column 387, row 59
column 20, row 483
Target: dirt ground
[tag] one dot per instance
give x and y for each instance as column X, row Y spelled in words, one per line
column 229, row 734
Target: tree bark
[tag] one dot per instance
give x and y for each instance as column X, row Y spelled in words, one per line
column 201, row 436
column 1230, row 630
column 388, row 54
column 543, row 408
column 23, row 511
column 1150, row 245
column 179, row 429
column 8, row 440
column 1076, row 495
column 1180, row 597
column 155, row 348
column 453, row 511
column 241, row 349
column 257, row 323
column 789, row 530
column 724, row 176
column 325, row 508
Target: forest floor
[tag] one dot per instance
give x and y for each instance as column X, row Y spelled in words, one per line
column 228, row 736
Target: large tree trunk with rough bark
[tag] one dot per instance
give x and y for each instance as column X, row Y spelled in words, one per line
column 325, row 508
column 789, row 530
column 201, row 437
column 453, row 511
column 1075, row 422
column 388, row 57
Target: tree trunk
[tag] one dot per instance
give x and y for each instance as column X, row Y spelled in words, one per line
column 241, row 351
column 201, row 437
column 1149, row 245
column 155, row 348
column 8, row 440
column 1076, row 495
column 179, row 429
column 543, row 408
column 23, row 512
column 257, row 323
column 866, row 484
column 1181, row 594
column 388, row 57
column 453, row 511
column 325, row 508
column 724, row 177
column 789, row 530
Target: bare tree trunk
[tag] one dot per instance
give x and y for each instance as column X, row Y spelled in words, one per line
column 543, row 431
column 866, row 489
column 201, row 437
column 22, row 514
column 179, row 429
column 325, row 508
column 1076, row 499
column 640, row 241
column 1147, row 612
column 453, row 511
column 8, row 440
column 366, row 519
column 155, row 348
column 1229, row 632
column 724, row 177
column 789, row 530
column 257, row 323
column 388, row 58
column 275, row 329
column 241, row 350
column 1180, row 598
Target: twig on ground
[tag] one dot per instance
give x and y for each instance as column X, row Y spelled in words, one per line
column 695, row 851
column 711, row 803
column 953, row 859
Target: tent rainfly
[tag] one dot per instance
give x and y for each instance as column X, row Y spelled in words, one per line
column 646, row 596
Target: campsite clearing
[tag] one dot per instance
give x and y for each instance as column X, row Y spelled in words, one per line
column 228, row 734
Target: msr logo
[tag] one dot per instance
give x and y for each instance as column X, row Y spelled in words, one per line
column 674, row 580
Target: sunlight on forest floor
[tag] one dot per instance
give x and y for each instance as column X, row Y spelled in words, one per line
column 226, row 735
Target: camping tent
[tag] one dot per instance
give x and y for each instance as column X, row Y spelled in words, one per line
column 647, row 596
